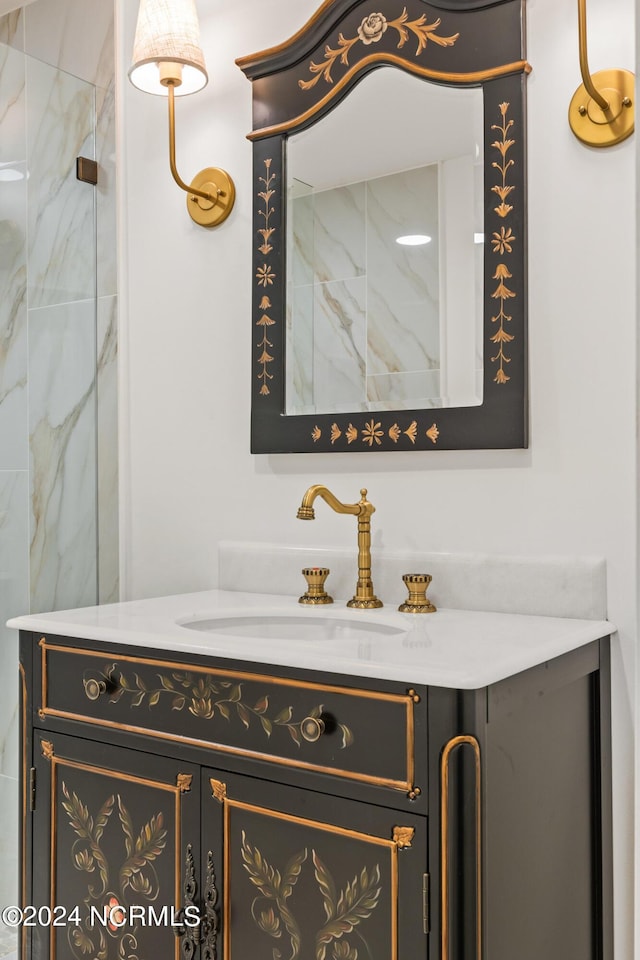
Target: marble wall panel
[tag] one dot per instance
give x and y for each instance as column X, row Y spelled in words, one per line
column 300, row 267
column 12, row 107
column 402, row 282
column 62, row 416
column 12, row 29
column 107, row 284
column 299, row 346
column 74, row 35
column 14, row 600
column 9, row 833
column 61, row 215
column 14, row 446
column 339, row 233
column 107, row 398
column 404, row 391
column 339, row 344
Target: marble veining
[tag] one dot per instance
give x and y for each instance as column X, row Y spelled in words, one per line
column 107, row 400
column 371, row 338
column 339, row 332
column 106, row 205
column 74, row 35
column 61, row 220
column 14, row 599
column 63, row 456
column 12, row 105
column 14, row 451
column 339, row 237
column 12, row 29
column 402, row 281
column 404, row 391
column 299, row 366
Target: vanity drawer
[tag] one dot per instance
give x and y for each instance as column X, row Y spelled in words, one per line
column 361, row 734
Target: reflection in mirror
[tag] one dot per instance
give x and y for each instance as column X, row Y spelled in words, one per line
column 385, row 241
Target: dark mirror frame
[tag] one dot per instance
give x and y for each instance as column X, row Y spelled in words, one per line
column 296, row 84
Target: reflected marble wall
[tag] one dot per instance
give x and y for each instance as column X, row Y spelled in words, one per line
column 58, row 336
column 363, row 321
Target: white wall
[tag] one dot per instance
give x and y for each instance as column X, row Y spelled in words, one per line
column 189, row 479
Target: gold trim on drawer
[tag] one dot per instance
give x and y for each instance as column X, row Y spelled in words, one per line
column 407, row 700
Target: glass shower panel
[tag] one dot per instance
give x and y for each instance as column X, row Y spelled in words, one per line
column 61, row 270
column 48, row 311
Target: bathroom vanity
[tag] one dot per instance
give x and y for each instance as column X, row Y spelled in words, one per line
column 339, row 785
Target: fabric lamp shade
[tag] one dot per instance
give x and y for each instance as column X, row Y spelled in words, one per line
column 168, row 32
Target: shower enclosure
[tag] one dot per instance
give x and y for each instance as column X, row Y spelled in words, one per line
column 58, row 310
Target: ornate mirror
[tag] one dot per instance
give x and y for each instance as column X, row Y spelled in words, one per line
column 389, row 299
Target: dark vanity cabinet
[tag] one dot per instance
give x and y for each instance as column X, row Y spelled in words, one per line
column 177, row 805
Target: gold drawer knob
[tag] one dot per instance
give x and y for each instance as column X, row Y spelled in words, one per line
column 417, row 602
column 312, row 728
column 94, row 688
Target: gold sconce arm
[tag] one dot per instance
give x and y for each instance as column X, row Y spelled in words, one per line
column 601, row 112
column 212, row 192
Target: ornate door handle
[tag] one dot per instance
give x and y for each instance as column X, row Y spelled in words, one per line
column 452, row 745
column 206, row 933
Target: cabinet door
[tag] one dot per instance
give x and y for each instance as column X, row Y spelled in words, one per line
column 307, row 876
column 115, row 841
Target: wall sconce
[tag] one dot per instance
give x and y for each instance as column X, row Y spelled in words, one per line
column 601, row 113
column 168, row 61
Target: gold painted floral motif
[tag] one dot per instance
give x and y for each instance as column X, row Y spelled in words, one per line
column 372, row 432
column 344, row 911
column 503, row 243
column 47, row 749
column 265, row 276
column 267, row 231
column 210, row 699
column 265, row 357
column 371, row 30
column 412, row 431
column 433, row 433
column 112, row 890
column 503, row 146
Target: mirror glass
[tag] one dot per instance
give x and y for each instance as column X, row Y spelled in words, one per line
column 385, row 248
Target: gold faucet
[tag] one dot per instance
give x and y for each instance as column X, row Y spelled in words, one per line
column 364, row 598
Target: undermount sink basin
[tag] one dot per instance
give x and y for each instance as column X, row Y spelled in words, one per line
column 285, row 627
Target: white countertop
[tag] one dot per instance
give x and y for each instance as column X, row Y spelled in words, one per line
column 451, row 648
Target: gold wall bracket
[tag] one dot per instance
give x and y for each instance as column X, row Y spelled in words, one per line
column 601, row 112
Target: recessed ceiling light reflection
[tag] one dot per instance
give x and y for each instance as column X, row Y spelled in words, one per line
column 414, row 240
column 10, row 173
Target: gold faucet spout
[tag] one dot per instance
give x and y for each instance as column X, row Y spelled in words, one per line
column 364, row 597
column 306, row 511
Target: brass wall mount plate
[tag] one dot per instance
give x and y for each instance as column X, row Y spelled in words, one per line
column 604, row 128
column 217, row 182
